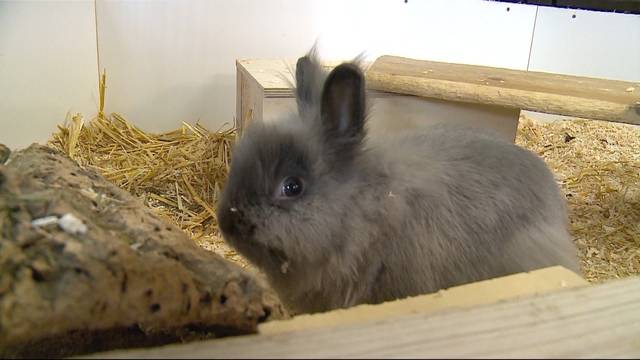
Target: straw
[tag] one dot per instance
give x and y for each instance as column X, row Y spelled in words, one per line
column 179, row 174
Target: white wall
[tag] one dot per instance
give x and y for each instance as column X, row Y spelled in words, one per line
column 47, row 67
column 594, row 44
column 463, row 31
column 174, row 60
column 178, row 57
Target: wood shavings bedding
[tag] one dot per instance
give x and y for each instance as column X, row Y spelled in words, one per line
column 597, row 165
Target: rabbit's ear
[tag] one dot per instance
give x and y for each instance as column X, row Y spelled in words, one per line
column 309, row 77
column 304, row 73
column 343, row 105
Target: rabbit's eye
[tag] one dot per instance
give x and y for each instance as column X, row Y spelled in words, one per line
column 291, row 187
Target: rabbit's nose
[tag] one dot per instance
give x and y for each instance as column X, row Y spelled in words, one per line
column 228, row 220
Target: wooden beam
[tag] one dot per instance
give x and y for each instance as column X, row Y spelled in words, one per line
column 478, row 293
column 593, row 321
column 583, row 97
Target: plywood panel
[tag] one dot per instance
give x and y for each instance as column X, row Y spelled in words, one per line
column 463, row 296
column 249, row 100
column 391, row 114
column 271, row 82
column 585, row 322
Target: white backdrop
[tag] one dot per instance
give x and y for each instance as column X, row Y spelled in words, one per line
column 47, row 67
column 178, row 57
column 174, row 60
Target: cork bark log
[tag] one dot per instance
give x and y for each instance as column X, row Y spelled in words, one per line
column 129, row 279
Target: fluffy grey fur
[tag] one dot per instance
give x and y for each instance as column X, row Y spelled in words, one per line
column 380, row 219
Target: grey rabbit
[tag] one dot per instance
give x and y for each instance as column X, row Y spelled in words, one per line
column 335, row 218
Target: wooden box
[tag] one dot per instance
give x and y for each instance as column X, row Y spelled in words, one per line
column 265, row 93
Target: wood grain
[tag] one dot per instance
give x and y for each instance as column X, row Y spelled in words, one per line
column 587, row 322
column 478, row 293
column 590, row 98
column 249, row 99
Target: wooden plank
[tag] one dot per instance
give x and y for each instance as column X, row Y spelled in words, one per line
column 267, row 95
column 592, row 321
column 275, row 76
column 250, row 96
column 474, row 294
column 584, row 97
column 238, row 120
column 399, row 113
column 271, row 74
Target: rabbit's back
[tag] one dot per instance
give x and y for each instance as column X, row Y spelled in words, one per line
column 472, row 207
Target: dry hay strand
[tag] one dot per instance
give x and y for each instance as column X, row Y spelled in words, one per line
column 178, row 174
column 597, row 165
